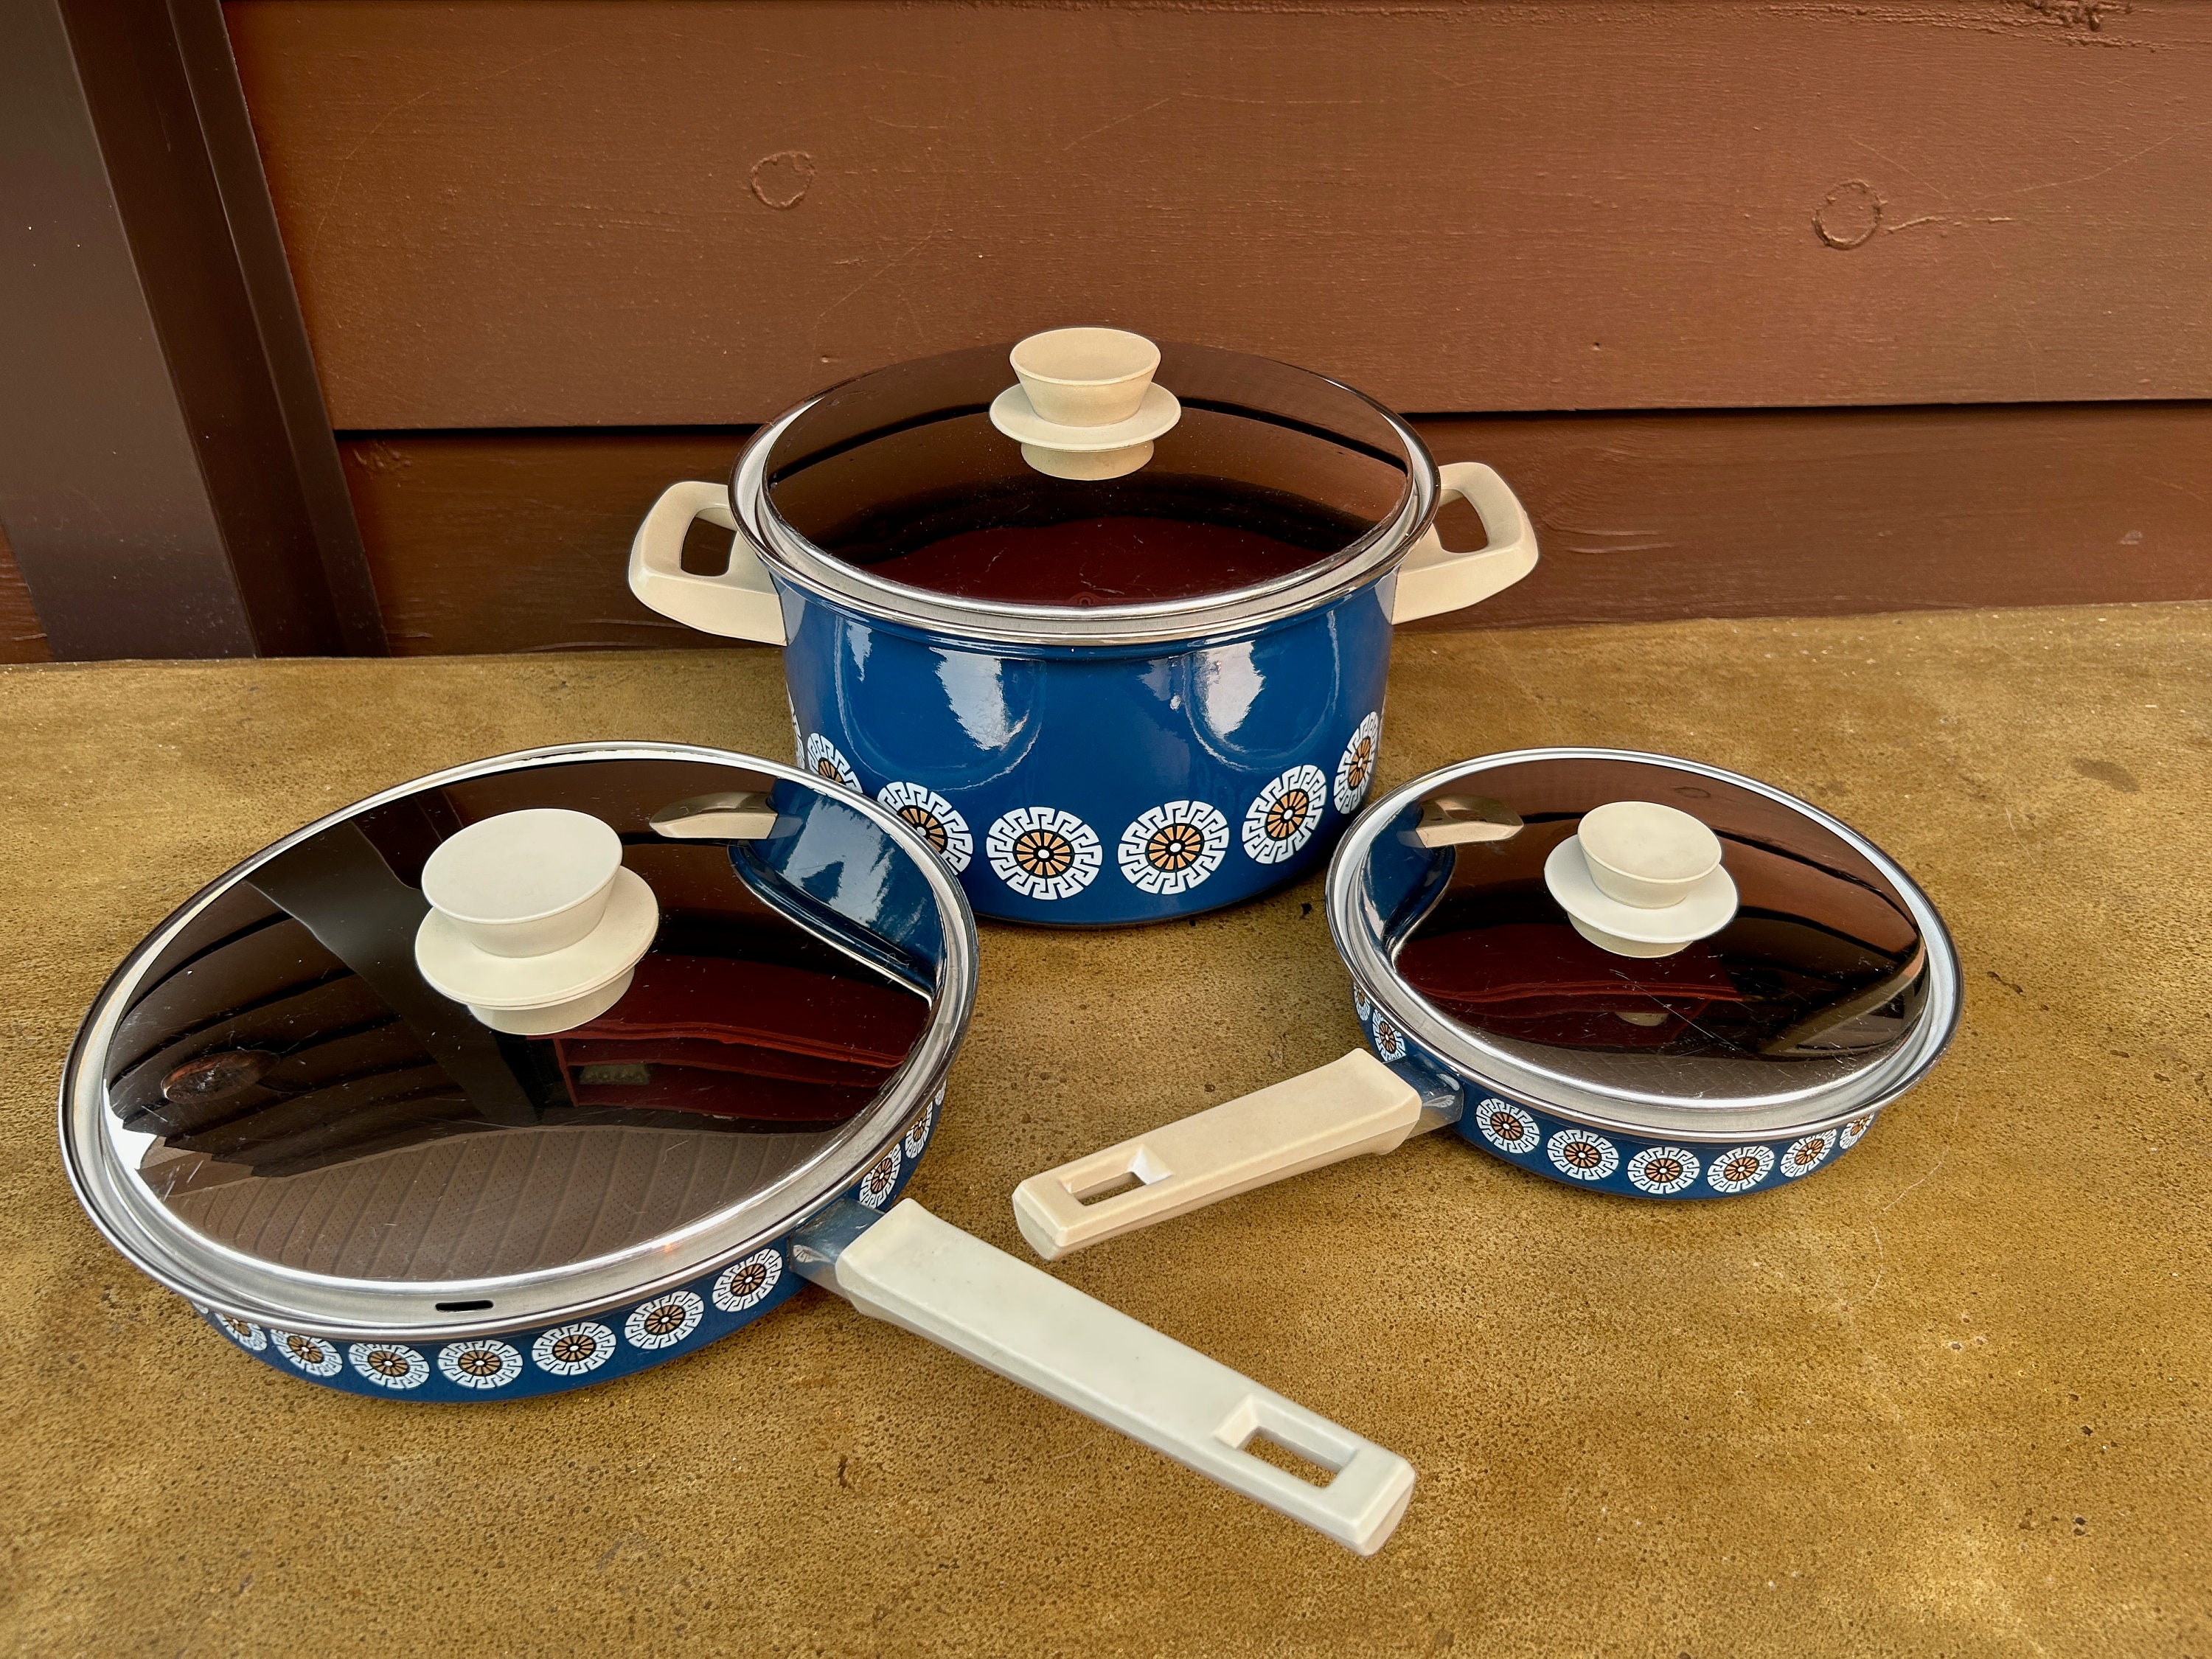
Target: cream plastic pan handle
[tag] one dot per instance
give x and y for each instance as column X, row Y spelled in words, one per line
column 928, row 1277
column 1333, row 1112
column 740, row 604
column 1432, row 580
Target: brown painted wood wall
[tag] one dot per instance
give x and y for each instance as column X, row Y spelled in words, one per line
column 675, row 217
column 495, row 542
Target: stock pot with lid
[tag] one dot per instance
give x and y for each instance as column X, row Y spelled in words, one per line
column 1113, row 636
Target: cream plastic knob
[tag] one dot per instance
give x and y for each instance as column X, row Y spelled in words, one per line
column 534, row 922
column 1640, row 879
column 1085, row 406
column 523, row 884
column 1646, row 855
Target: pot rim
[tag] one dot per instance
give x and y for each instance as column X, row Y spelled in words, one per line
column 1481, row 1063
column 792, row 557
column 227, row 1280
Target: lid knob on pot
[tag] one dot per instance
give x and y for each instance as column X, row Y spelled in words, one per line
column 1640, row 879
column 534, row 923
column 1086, row 406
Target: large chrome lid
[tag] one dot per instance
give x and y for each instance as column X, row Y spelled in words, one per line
column 1803, row 981
column 271, row 1109
column 901, row 494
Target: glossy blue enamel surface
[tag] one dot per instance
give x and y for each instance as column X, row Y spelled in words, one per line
column 588, row 1349
column 1097, row 787
column 1607, row 1160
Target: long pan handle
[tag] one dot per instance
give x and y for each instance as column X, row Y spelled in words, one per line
column 1336, row 1111
column 928, row 1277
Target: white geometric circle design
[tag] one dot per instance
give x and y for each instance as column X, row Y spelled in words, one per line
column 1663, row 1170
column 664, row 1322
column 1581, row 1156
column 1173, row 847
column 917, row 1133
column 1739, row 1168
column 311, row 1354
column 746, row 1284
column 1807, row 1153
column 936, row 817
column 484, row 1363
column 881, row 1176
column 825, row 760
column 1042, row 853
column 1390, row 1041
column 572, row 1350
column 243, row 1332
column 1361, row 1003
column 798, row 738
column 1506, row 1127
column 1283, row 818
column 1854, row 1132
column 389, row 1364
column 1355, row 771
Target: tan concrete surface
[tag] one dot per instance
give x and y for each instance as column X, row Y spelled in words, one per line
column 1948, row 1397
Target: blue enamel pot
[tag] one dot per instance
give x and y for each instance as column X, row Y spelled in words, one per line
column 1102, row 701
column 1777, row 982
column 367, row 1185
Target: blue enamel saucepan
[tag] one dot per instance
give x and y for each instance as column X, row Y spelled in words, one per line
column 1115, row 666
column 1625, row 973
column 561, row 1065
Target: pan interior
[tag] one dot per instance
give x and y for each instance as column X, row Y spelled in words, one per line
column 284, row 1084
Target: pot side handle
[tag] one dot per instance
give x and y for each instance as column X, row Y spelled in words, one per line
column 1432, row 580
column 740, row 604
column 930, row 1278
column 1336, row 1111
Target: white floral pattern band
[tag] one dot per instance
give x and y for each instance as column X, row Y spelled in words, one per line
column 664, row 1322
column 1664, row 1171
column 389, row 1364
column 1283, row 816
column 1355, row 769
column 1042, row 853
column 938, row 821
column 1506, row 1127
column 1580, row 1155
column 1805, row 1154
column 484, row 1363
column 877, row 1186
column 746, row 1284
column 825, row 760
column 1739, row 1168
column 311, row 1354
column 574, row 1350
column 1173, row 846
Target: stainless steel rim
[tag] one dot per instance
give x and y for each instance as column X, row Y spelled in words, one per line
column 1784, row 1113
column 214, row 1275
column 794, row 559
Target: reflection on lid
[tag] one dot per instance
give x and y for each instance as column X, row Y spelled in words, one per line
column 1821, row 963
column 311, row 1101
column 1270, row 471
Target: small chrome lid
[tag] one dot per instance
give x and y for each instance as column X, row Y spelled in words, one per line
column 1274, row 491
column 1804, row 982
column 271, row 1109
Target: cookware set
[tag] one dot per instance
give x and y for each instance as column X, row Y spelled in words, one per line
column 553, row 1067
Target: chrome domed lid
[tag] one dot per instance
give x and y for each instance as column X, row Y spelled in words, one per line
column 1769, row 968
column 903, row 494
column 270, row 1109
